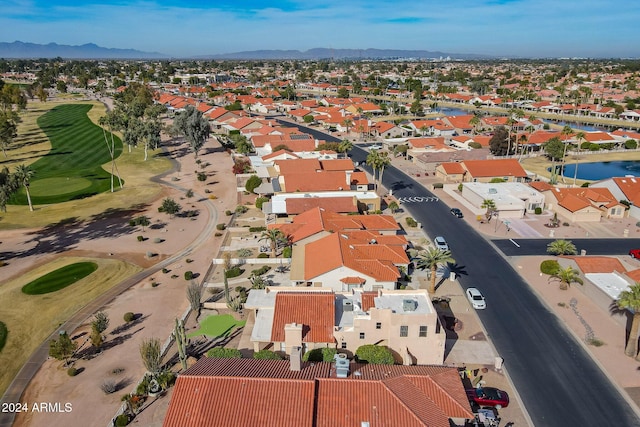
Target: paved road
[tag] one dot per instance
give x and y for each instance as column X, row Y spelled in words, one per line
column 591, row 246
column 558, row 381
column 40, row 355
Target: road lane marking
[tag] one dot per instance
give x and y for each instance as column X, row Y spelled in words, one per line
column 513, row 241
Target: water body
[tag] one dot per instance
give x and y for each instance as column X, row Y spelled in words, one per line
column 446, row 111
column 575, row 125
column 602, row 170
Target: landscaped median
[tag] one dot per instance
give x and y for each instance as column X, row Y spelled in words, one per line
column 30, row 319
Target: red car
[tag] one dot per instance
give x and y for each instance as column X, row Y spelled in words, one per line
column 635, row 253
column 488, row 396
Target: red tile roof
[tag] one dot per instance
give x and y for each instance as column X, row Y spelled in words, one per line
column 598, row 264
column 494, row 168
column 453, row 168
column 299, row 205
column 315, row 311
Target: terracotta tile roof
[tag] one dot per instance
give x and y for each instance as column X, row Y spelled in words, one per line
column 299, row 205
column 353, row 280
column 424, row 142
column 575, row 199
column 540, row 137
column 242, row 123
column 482, row 140
column 315, row 311
column 494, row 168
column 297, row 145
column 320, row 181
column 247, row 392
column 598, row 264
column 453, row 168
column 280, row 153
column 214, row 401
column 315, row 265
column 368, row 300
column 630, row 187
column 382, row 127
column 337, row 165
column 460, row 122
column 634, row 275
column 301, row 112
column 298, row 166
column 541, row 186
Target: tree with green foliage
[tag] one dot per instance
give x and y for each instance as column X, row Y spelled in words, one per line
column 194, row 295
column 170, row 206
column 194, row 126
column 308, row 118
column 393, row 206
column 561, row 247
column 554, row 148
column 224, row 353
column 142, row 221
column 62, row 348
column 325, row 354
column 431, row 259
column 274, row 237
column 500, row 142
column 374, row 354
column 23, row 175
column 111, row 121
column 490, row 206
column 566, row 276
column 629, row 299
column 345, row 146
column 252, row 183
column 266, row 355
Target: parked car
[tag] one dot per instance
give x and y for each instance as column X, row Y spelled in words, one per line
column 488, row 396
column 456, row 212
column 441, row 243
column 375, row 147
column 476, row 299
column 635, row 253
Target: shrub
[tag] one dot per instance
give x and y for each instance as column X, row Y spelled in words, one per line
column 260, row 271
column 549, row 266
column 157, row 240
column 438, row 185
column 155, row 284
column 320, row 355
column 132, row 222
column 129, row 316
column 217, row 234
column 109, row 387
column 375, row 354
column 260, row 201
column 538, row 210
column 244, row 253
column 140, row 238
column 189, row 193
column 475, row 145
column 240, row 209
column 263, row 255
column 565, row 224
column 202, row 176
column 3, row 335
column 257, row 229
column 596, row 342
column 188, row 260
column 221, row 227
column 72, row 372
column 460, row 187
column 122, row 420
column 631, row 144
column 266, row 355
column 224, row 353
column 286, row 252
column 252, row 183
column 585, row 184
column 594, row 147
column 411, row 222
column 228, row 212
column 188, row 275
column 233, row 272
column 165, row 270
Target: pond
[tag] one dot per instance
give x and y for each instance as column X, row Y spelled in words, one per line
column 602, row 170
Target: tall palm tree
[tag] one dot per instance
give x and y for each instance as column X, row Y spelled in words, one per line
column 510, row 122
column 490, row 206
column 373, row 160
column 383, row 161
column 347, row 123
column 566, row 132
column 24, row 174
column 580, row 136
column 430, row 259
column 345, row 146
column 274, row 237
column 474, row 121
column 630, row 300
column 566, row 276
column 561, row 247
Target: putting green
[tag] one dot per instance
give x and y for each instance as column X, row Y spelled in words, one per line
column 56, row 186
column 60, row 278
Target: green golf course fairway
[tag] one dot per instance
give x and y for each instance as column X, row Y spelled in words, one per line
column 73, row 168
column 60, row 278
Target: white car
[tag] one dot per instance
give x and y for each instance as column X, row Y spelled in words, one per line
column 441, row 243
column 375, row 147
column 476, row 299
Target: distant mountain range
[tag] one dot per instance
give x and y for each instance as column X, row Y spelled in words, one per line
column 23, row 50
column 20, row 49
column 328, row 53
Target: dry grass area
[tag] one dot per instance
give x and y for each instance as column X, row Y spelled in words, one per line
column 30, row 319
column 540, row 164
column 32, row 143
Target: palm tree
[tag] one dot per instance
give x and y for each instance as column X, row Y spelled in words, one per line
column 274, row 237
column 630, row 300
column 474, row 121
column 24, row 174
column 566, row 276
column 580, row 136
column 423, row 129
column 490, row 206
column 510, row 122
column 373, row 161
column 347, row 123
column 393, row 206
column 383, row 161
column 561, row 247
column 566, row 132
column 345, row 146
column 430, row 259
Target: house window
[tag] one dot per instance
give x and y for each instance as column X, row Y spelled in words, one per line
column 361, row 335
column 423, row 331
column 378, row 325
column 343, row 345
column 404, row 331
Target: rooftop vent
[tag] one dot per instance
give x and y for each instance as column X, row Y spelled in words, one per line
column 342, row 365
column 493, row 191
column 347, row 305
column 409, row 304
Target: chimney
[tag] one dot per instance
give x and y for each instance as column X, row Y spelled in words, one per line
column 292, row 336
column 348, row 178
column 295, row 359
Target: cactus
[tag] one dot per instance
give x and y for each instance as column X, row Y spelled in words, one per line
column 181, row 341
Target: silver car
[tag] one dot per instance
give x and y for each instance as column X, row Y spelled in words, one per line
column 476, row 299
column 441, row 243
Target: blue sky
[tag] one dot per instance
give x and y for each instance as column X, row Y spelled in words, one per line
column 526, row 28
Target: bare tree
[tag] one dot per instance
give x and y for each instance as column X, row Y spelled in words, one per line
column 194, row 295
column 151, row 353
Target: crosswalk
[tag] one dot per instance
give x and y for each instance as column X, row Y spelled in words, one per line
column 417, row 199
